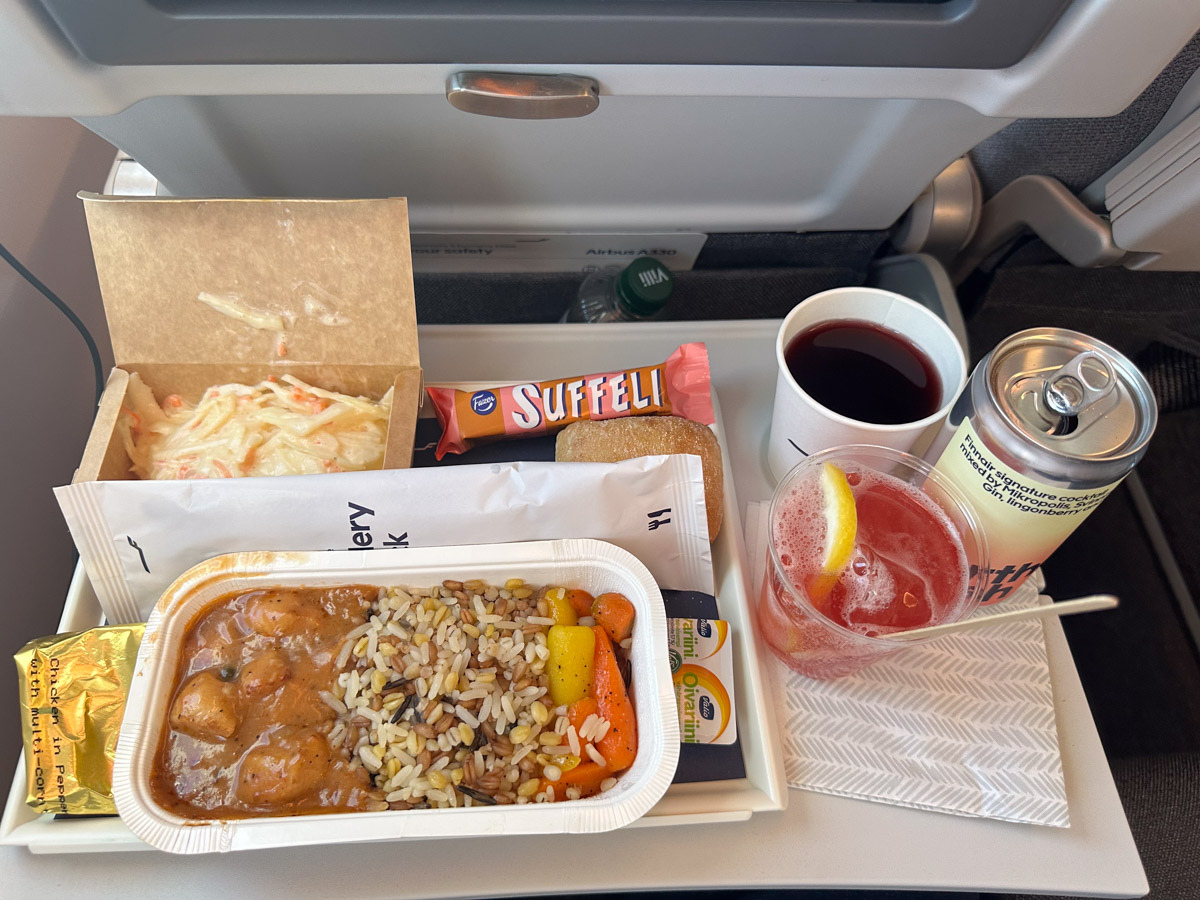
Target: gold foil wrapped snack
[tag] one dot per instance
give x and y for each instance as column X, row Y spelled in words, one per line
column 73, row 689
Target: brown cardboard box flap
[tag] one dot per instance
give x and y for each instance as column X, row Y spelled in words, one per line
column 300, row 281
column 206, row 292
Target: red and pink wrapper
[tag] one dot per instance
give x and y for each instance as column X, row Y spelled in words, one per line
column 680, row 386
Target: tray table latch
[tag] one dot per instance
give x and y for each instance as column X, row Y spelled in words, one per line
column 512, row 95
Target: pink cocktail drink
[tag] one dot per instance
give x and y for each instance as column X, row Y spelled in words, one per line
column 910, row 567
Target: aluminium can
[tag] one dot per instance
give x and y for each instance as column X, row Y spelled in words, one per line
column 1048, row 424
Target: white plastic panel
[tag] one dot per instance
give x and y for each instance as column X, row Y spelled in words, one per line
column 701, row 147
column 637, row 163
column 1154, row 202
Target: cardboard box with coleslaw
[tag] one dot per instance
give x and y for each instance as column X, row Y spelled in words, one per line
column 206, row 292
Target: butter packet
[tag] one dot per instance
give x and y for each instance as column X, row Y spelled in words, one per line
column 73, row 689
column 702, row 669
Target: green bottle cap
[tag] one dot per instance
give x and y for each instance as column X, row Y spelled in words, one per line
column 645, row 286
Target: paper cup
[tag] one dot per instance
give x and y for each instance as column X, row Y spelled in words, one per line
column 801, row 426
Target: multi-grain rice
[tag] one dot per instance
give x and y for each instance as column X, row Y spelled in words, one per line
column 442, row 699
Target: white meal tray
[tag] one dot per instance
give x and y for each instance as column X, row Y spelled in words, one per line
column 764, row 788
column 573, row 561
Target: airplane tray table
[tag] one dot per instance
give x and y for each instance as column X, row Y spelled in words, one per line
column 818, row 841
column 712, row 782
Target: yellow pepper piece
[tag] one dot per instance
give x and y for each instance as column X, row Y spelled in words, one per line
column 572, row 648
column 561, row 610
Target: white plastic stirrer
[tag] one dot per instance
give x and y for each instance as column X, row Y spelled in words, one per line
column 1064, row 608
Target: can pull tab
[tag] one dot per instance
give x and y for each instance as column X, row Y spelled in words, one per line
column 1073, row 388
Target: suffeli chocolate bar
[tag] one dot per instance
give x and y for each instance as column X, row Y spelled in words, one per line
column 678, row 386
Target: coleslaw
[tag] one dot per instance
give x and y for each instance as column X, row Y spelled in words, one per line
column 276, row 427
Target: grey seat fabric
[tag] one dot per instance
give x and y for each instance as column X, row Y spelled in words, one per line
column 1173, row 374
column 1078, row 151
column 1130, row 310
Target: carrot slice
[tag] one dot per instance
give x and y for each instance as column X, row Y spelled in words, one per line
column 587, row 776
column 615, row 613
column 619, row 744
column 578, row 711
column 581, row 602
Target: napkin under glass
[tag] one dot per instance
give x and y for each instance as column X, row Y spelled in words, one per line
column 963, row 725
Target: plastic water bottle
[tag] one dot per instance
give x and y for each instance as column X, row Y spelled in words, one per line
column 637, row 292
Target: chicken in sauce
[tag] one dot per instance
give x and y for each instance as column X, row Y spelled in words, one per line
column 248, row 729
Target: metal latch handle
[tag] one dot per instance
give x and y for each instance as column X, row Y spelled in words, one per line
column 512, row 95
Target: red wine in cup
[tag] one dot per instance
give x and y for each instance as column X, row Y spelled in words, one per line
column 864, row 372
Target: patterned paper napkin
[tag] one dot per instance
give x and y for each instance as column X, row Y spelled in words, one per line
column 962, row 725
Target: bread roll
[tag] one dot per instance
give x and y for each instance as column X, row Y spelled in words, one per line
column 613, row 440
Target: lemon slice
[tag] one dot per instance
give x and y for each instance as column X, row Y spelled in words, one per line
column 841, row 527
column 841, row 519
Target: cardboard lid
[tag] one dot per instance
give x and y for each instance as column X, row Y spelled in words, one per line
column 255, row 280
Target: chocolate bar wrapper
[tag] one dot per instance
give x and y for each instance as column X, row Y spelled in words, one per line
column 680, row 386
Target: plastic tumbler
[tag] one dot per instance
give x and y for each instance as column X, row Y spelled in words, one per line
column 917, row 547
